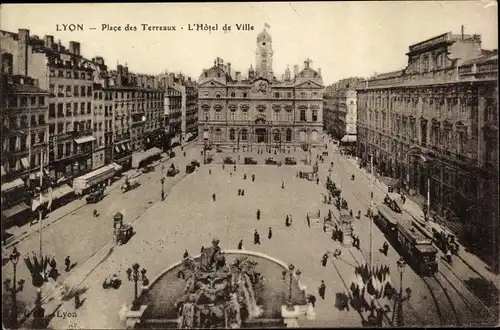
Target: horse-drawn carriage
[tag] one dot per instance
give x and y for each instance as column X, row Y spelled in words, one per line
column 341, row 204
column 129, row 185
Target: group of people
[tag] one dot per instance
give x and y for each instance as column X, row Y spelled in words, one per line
column 256, row 238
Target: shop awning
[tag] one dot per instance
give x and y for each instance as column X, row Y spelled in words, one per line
column 188, row 136
column 389, row 182
column 117, row 149
column 16, row 209
column 85, row 139
column 349, row 138
column 123, row 147
column 61, row 191
column 3, row 171
column 138, row 157
column 117, row 167
column 25, row 162
column 36, row 175
column 17, row 183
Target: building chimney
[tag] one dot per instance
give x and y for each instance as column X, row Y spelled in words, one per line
column 319, row 72
column 119, row 74
column 74, row 48
column 296, row 70
column 22, row 56
column 462, row 32
column 229, row 68
column 48, row 41
column 238, row 75
column 99, row 60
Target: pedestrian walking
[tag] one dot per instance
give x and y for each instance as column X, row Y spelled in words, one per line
column 244, row 176
column 312, row 300
column 350, row 212
column 317, row 180
column 234, row 168
column 223, row 167
column 256, row 237
column 337, row 253
column 282, row 184
column 291, row 220
column 322, row 290
column 270, row 233
column 78, row 302
column 240, row 245
column 385, row 248
column 209, row 171
column 308, row 221
column 239, row 192
column 202, row 249
column 213, row 196
column 324, row 227
column 287, row 221
column 67, row 263
column 253, row 177
column 230, row 174
column 324, row 259
column 186, row 254
column 242, row 192
column 258, row 214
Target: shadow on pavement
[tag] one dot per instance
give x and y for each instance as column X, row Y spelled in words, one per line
column 484, row 290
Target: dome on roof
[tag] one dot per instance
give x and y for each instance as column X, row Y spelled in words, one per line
column 264, row 36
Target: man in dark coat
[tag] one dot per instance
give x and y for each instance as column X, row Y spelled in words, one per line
column 312, row 299
column 240, row 245
column 308, row 221
column 258, row 214
column 213, row 196
column 270, row 233
column 324, row 259
column 67, row 263
column 322, row 289
column 256, row 237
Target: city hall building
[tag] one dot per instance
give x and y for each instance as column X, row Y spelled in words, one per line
column 260, row 110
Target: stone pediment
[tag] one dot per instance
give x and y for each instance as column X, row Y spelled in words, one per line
column 212, row 83
column 309, row 84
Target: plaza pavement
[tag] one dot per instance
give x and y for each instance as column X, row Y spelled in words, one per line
column 82, row 236
column 189, row 219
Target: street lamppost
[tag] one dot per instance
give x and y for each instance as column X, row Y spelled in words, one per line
column 134, row 275
column 290, row 272
column 14, row 289
column 162, row 180
column 401, row 268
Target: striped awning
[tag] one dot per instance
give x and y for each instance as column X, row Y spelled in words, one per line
column 349, row 138
column 17, row 183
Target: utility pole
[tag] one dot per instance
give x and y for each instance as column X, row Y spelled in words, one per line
column 371, row 211
column 40, row 206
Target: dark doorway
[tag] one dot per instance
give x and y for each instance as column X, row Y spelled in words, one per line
column 261, row 134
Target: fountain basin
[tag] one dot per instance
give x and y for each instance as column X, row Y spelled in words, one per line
column 270, row 295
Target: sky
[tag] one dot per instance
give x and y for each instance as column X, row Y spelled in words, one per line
column 344, row 39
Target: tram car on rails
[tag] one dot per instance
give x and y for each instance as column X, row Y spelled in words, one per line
column 415, row 247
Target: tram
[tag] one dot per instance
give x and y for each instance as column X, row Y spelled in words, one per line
column 416, row 248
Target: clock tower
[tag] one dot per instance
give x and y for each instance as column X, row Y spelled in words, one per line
column 264, row 55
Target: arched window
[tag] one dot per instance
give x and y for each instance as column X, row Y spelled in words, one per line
column 244, row 134
column 288, row 135
column 314, row 136
column 302, row 136
column 218, row 134
column 217, row 96
column 276, row 136
column 276, row 95
column 233, row 94
column 303, row 115
column 231, row 134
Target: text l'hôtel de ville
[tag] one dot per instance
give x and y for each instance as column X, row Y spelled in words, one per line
column 150, row 27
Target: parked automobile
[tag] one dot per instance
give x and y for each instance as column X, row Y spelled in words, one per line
column 229, row 160
column 325, row 153
column 250, row 161
column 129, row 185
column 271, row 161
column 196, row 163
column 172, row 171
column 147, row 169
column 209, row 159
column 95, row 196
column 172, row 154
column 290, row 161
column 190, row 168
column 218, row 149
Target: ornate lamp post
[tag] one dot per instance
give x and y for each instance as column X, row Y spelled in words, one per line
column 16, row 287
column 401, row 268
column 134, row 275
column 290, row 272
